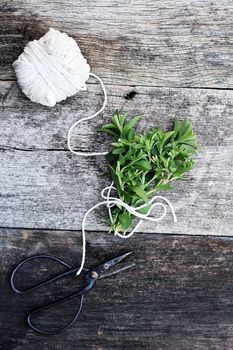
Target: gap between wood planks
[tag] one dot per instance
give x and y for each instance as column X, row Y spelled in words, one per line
column 45, row 230
column 146, row 86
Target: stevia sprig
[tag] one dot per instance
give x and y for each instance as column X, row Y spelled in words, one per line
column 142, row 164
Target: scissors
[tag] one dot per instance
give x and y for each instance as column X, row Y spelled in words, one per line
column 90, row 276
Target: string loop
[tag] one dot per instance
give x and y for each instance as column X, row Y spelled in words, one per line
column 88, row 154
column 110, row 202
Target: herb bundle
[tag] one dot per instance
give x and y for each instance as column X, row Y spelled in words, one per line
column 142, row 164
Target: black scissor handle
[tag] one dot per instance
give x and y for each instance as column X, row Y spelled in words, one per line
column 16, row 270
column 56, row 331
column 89, row 284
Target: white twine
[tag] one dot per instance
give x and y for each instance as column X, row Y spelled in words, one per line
column 88, row 154
column 110, row 201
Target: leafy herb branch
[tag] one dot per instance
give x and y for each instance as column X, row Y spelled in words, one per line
column 142, row 164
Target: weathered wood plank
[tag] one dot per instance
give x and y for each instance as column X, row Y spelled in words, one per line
column 180, row 293
column 44, row 186
column 158, row 43
column 26, row 125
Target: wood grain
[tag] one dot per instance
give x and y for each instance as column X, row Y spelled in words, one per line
column 179, row 293
column 45, row 186
column 136, row 42
column 157, row 58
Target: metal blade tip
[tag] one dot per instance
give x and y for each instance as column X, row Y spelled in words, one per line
column 123, row 256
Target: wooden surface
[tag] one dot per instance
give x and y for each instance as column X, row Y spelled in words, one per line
column 140, row 42
column 171, row 299
column 45, row 186
column 177, row 57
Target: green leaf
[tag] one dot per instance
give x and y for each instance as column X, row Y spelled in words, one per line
column 166, row 137
column 122, row 118
column 108, row 126
column 155, row 150
column 128, row 126
column 145, row 209
column 192, row 144
column 116, row 122
column 119, row 150
column 125, row 220
column 131, row 134
column 140, row 192
column 164, row 187
column 143, row 165
column 133, row 121
column 185, row 127
column 176, row 126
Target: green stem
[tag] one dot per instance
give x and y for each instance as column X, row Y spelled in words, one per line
column 161, row 182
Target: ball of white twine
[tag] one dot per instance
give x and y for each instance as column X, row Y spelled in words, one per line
column 110, row 201
column 52, row 68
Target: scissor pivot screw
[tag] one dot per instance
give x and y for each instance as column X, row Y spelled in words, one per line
column 94, row 275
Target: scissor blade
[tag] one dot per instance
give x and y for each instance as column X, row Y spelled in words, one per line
column 103, row 268
column 120, row 268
